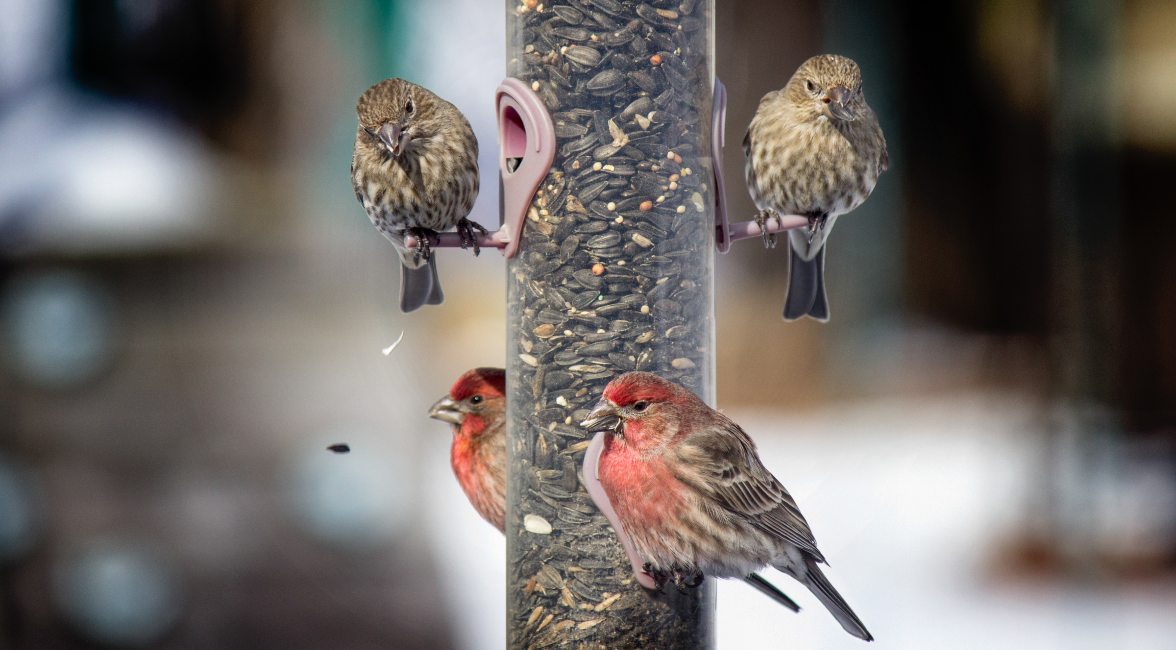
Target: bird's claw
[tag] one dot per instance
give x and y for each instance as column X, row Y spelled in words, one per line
column 682, row 578
column 687, row 579
column 761, row 220
column 465, row 229
column 424, row 247
column 815, row 225
column 659, row 577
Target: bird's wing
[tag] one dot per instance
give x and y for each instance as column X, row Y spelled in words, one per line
column 729, row 469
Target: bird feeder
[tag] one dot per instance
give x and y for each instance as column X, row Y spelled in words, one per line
column 613, row 272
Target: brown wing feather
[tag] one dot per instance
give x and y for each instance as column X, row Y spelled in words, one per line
column 727, row 467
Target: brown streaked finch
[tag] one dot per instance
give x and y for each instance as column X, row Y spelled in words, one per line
column 415, row 171
column 814, row 148
column 476, row 409
column 693, row 497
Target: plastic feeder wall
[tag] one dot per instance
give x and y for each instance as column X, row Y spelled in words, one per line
column 613, row 272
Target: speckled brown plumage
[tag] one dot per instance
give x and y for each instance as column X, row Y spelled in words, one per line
column 814, row 148
column 415, row 171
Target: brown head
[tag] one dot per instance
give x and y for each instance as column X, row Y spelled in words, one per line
column 643, row 410
column 394, row 112
column 828, row 85
column 476, row 402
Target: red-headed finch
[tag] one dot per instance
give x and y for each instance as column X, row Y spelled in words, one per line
column 476, row 409
column 814, row 148
column 692, row 495
column 415, row 170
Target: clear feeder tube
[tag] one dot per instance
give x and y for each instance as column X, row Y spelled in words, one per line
column 614, row 273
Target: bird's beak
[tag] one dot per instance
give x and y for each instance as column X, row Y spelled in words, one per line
column 603, row 416
column 391, row 135
column 835, row 100
column 446, row 410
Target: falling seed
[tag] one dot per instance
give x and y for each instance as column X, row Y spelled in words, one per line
column 598, row 269
column 340, row 448
column 536, row 524
column 388, row 350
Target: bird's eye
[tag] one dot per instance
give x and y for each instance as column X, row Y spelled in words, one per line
column 812, row 87
column 476, row 399
column 409, row 107
column 640, row 406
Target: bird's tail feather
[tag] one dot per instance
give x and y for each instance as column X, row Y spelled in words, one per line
column 817, row 583
column 806, row 287
column 771, row 591
column 420, row 286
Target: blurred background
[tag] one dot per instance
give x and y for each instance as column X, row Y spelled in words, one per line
column 193, row 306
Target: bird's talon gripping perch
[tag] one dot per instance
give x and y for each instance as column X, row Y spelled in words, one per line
column 424, row 247
column 687, row 579
column 761, row 220
column 466, row 229
column 815, row 225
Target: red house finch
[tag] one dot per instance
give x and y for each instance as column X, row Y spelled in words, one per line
column 476, row 409
column 693, row 497
column 415, row 170
column 814, row 148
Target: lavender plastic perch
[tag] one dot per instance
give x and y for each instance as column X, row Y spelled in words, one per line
column 495, row 239
column 596, row 491
column 749, row 229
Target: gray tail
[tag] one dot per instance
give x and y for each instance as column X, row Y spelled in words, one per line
column 817, row 583
column 806, row 287
column 771, row 591
column 420, row 286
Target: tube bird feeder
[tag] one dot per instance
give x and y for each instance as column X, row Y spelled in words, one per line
column 613, row 272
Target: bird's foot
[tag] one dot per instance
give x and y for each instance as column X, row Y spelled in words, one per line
column 815, row 225
column 761, row 220
column 687, row 579
column 466, row 229
column 424, row 247
column 660, row 578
